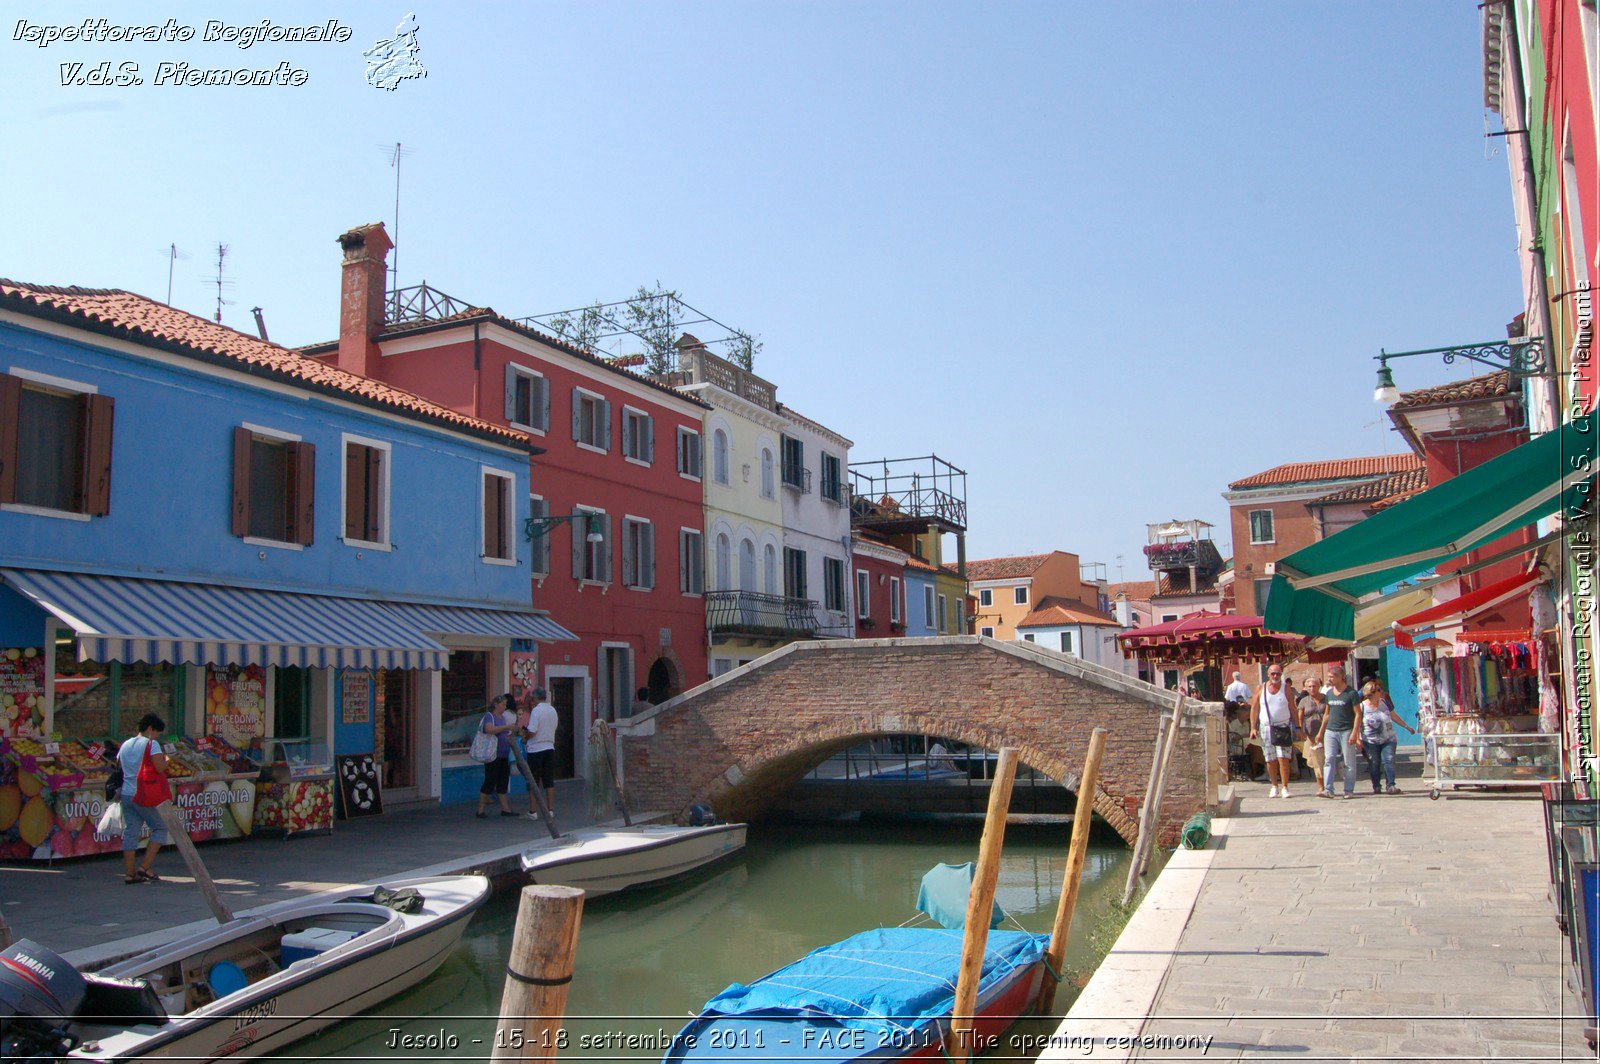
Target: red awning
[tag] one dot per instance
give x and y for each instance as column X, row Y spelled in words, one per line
column 1207, row 637
column 1472, row 602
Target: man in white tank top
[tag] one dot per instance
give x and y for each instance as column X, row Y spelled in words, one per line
column 1273, row 707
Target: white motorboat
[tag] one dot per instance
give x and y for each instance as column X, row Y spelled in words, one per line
column 606, row 860
column 241, row 989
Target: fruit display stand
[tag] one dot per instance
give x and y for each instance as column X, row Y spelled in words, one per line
column 295, row 795
column 52, row 795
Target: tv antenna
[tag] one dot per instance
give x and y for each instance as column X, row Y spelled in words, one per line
column 396, row 152
column 221, row 281
column 173, row 255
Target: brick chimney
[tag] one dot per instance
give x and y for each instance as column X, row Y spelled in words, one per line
column 361, row 297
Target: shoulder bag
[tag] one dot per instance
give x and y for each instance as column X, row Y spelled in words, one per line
column 152, row 788
column 485, row 747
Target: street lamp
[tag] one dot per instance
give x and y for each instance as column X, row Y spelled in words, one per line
column 1523, row 356
column 538, row 527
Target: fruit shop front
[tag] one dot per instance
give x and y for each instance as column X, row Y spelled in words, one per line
column 251, row 744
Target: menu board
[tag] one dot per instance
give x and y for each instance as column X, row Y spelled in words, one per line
column 21, row 691
column 236, row 703
column 356, row 703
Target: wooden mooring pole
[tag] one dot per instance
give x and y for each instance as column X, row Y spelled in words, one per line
column 980, row 908
column 5, row 932
column 1077, row 853
column 180, row 838
column 1151, row 813
column 538, row 974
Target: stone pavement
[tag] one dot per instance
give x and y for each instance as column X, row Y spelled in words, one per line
column 1382, row 927
column 83, row 904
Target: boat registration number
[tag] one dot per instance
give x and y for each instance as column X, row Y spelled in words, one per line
column 255, row 1013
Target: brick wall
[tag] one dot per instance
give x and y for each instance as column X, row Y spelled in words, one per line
column 741, row 740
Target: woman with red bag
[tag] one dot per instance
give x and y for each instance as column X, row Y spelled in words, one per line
column 144, row 786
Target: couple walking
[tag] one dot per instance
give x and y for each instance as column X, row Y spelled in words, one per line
column 1327, row 724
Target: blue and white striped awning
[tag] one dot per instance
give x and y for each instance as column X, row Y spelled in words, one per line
column 467, row 620
column 151, row 621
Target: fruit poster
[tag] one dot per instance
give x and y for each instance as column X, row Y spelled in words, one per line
column 21, row 691
column 355, row 704
column 236, row 703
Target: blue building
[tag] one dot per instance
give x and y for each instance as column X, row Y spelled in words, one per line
column 201, row 523
column 922, row 598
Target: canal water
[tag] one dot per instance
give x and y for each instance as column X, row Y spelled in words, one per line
column 648, row 959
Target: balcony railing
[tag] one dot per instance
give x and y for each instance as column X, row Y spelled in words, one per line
column 420, row 303
column 752, row 613
column 906, row 493
column 696, row 365
column 796, row 479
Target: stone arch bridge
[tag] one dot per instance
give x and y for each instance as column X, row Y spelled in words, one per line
column 741, row 740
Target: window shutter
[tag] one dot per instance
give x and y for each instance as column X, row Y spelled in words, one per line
column 649, row 440
column 97, row 455
column 605, row 548
column 683, row 560
column 374, row 531
column 579, row 529
column 241, row 481
column 304, row 456
column 577, row 415
column 355, row 490
column 647, row 544
column 630, row 556
column 542, row 398
column 10, row 435
column 605, row 424
column 511, row 393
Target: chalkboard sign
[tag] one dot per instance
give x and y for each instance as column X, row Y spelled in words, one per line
column 359, row 791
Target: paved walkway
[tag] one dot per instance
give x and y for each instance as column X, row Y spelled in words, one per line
column 83, row 904
column 1383, row 927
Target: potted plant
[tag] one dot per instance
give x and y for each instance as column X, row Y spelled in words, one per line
column 866, row 624
column 897, row 627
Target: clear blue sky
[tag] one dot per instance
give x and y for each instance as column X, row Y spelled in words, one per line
column 1105, row 257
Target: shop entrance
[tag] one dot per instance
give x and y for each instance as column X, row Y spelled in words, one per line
column 463, row 692
column 399, row 737
column 564, row 691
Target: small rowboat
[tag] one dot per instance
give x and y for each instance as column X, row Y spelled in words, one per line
column 881, row 995
column 241, row 989
column 606, row 860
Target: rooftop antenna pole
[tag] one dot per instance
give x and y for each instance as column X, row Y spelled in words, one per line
column 172, row 255
column 396, row 152
column 222, row 254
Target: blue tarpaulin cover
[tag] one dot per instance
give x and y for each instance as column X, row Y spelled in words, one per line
column 944, row 892
column 889, row 979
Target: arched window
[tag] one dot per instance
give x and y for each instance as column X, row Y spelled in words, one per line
column 768, row 487
column 724, row 562
column 769, row 570
column 747, row 565
column 719, row 456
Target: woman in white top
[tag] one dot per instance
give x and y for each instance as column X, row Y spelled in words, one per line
column 1274, row 716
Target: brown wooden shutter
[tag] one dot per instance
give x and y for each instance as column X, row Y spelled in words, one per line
column 374, row 533
column 10, row 434
column 302, row 517
column 241, row 481
column 355, row 491
column 100, row 410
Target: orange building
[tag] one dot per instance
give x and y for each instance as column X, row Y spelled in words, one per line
column 1007, row 589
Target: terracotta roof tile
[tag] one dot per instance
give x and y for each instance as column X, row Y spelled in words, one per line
column 1005, row 568
column 1168, row 587
column 1333, row 469
column 914, row 562
column 1410, row 482
column 1054, row 609
column 1488, row 386
column 115, row 312
column 1134, row 590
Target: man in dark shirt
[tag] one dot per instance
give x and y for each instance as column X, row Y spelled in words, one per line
column 1338, row 733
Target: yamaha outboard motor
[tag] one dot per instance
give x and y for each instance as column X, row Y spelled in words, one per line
column 39, row 994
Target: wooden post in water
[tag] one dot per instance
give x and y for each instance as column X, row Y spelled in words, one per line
column 980, row 908
column 538, row 974
column 1152, row 804
column 180, row 838
column 1073, row 877
column 5, row 932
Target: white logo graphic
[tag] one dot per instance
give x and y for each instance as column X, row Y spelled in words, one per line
column 392, row 61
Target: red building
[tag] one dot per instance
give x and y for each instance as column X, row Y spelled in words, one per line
column 621, row 558
column 880, row 576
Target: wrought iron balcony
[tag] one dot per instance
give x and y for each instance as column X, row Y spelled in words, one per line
column 1170, row 556
column 797, row 479
column 752, row 613
column 908, row 494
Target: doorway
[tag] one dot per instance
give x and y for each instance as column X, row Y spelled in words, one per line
column 663, row 681
column 616, row 679
column 564, row 692
column 399, row 736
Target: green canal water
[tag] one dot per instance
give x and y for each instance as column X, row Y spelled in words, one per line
column 648, row 959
